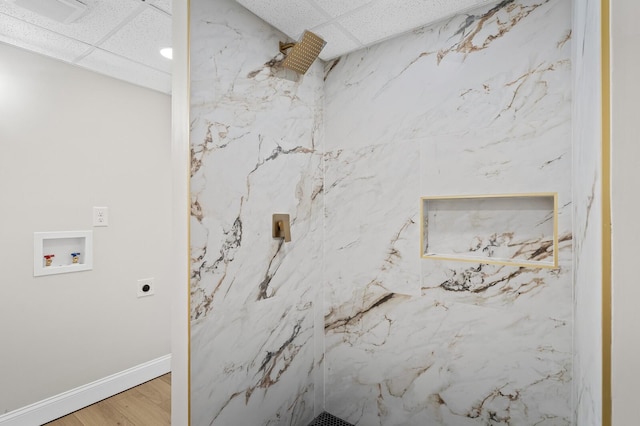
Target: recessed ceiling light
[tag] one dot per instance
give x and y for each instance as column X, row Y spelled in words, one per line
column 167, row 52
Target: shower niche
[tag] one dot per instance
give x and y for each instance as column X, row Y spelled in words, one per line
column 62, row 252
column 506, row 229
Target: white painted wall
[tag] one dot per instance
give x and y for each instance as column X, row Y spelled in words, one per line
column 71, row 139
column 180, row 157
column 625, row 166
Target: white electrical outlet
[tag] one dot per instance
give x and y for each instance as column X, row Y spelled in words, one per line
column 101, row 216
column 146, row 287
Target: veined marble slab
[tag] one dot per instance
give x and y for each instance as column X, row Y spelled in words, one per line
column 477, row 104
column 256, row 144
column 484, row 100
column 587, row 211
column 464, row 364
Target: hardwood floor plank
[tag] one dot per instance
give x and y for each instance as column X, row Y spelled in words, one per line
column 102, row 414
column 166, row 378
column 70, row 420
column 147, row 404
column 139, row 410
column 156, row 390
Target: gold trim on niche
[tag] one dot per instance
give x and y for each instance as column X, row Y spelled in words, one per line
column 607, row 409
column 490, row 261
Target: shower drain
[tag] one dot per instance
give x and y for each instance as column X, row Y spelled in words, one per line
column 326, row 419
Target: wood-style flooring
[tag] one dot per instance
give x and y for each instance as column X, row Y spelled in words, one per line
column 146, row 405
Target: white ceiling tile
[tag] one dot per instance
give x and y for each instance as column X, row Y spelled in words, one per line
column 115, row 66
column 336, row 8
column 289, row 16
column 101, row 18
column 366, row 21
column 27, row 36
column 392, row 17
column 337, row 41
column 142, row 38
column 135, row 30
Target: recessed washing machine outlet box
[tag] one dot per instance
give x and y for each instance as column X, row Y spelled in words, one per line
column 62, row 252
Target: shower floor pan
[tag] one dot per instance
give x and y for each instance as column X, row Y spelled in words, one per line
column 326, row 419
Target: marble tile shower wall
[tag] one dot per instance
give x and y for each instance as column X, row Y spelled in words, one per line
column 587, row 174
column 479, row 104
column 255, row 142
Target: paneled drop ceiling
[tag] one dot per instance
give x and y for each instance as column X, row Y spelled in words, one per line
column 123, row 38
column 119, row 38
column 349, row 25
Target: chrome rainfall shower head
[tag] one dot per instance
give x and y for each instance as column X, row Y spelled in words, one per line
column 303, row 53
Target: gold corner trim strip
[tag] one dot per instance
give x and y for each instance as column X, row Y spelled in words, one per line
column 502, row 195
column 489, row 261
column 188, row 168
column 607, row 404
column 421, row 248
column 556, row 241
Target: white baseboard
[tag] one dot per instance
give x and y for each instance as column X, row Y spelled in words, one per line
column 67, row 402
